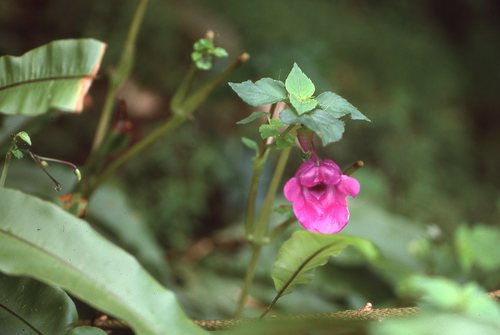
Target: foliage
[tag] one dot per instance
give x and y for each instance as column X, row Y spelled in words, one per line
column 56, row 75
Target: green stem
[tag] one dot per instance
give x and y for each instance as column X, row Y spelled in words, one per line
column 258, row 164
column 249, row 275
column 120, row 74
column 5, row 169
column 171, row 124
column 260, row 230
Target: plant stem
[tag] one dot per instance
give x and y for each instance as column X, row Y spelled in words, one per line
column 171, row 124
column 259, row 230
column 261, row 226
column 5, row 169
column 258, row 164
column 249, row 275
column 120, row 74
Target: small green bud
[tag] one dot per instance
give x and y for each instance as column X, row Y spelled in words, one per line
column 24, row 137
column 78, row 174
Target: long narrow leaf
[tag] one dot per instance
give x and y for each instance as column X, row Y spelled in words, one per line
column 43, row 241
column 55, row 75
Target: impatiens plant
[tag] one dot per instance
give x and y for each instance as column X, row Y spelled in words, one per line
column 319, row 188
column 72, row 246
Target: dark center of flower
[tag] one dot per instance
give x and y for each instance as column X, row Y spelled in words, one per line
column 320, row 188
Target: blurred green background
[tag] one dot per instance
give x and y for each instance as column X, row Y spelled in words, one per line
column 425, row 72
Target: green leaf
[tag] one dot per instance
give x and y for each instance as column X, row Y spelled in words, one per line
column 303, row 106
column 252, row 117
column 219, row 52
column 305, row 251
column 203, row 44
column 31, row 307
column 263, row 92
column 288, row 116
column 24, row 137
column 249, row 143
column 270, row 130
column 478, row 246
column 86, row 330
column 56, row 75
column 440, row 294
column 326, row 126
column 43, row 241
column 338, row 106
column 298, row 84
column 110, row 209
column 17, row 153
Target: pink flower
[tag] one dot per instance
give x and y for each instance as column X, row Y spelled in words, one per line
column 319, row 193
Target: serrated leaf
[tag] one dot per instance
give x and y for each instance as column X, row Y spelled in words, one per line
column 252, row 117
column 289, row 117
column 263, row 92
column 41, row 240
column 284, row 141
column 303, row 106
column 270, row 130
column 338, row 106
column 305, row 251
column 56, row 75
column 326, row 126
column 27, row 305
column 249, row 143
column 298, row 84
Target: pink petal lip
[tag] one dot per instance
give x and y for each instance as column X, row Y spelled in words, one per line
column 318, row 192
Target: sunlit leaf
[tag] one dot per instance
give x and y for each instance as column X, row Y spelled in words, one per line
column 30, row 307
column 298, row 84
column 43, row 241
column 56, row 75
column 263, row 92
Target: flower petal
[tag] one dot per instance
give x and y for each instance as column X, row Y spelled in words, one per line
column 349, row 186
column 292, row 190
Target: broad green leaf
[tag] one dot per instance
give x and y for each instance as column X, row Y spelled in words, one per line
column 271, row 129
column 338, row 106
column 86, row 330
column 298, row 84
column 434, row 324
column 250, row 118
column 440, row 294
column 327, row 127
column 303, row 106
column 55, row 75
column 110, row 210
column 30, row 307
column 42, row 241
column 249, row 143
column 263, row 92
column 305, row 251
column 478, row 245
